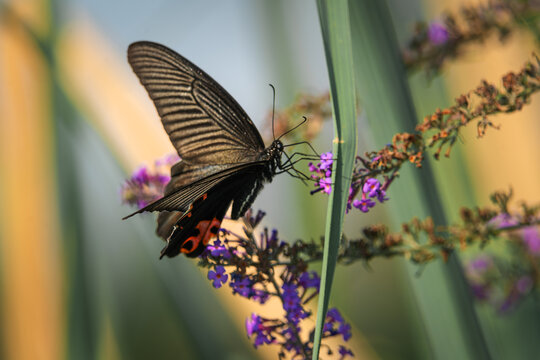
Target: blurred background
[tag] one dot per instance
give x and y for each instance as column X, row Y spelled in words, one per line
column 79, row 283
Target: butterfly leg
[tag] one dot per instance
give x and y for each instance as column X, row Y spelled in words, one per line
column 289, row 161
column 308, row 144
column 289, row 165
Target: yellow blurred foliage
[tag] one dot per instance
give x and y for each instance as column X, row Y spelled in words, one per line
column 509, row 156
column 32, row 302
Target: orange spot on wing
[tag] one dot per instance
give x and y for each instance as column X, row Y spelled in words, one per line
column 207, row 230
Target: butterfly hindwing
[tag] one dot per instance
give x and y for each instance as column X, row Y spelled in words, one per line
column 205, row 124
column 191, row 234
column 193, row 229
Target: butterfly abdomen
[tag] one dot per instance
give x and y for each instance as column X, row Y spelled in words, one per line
column 246, row 198
column 271, row 157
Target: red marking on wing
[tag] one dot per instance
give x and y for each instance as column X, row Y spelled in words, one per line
column 207, row 230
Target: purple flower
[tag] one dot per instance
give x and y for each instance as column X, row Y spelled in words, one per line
column 263, row 338
column 310, row 280
column 289, row 289
column 371, row 187
column 364, row 205
column 328, row 327
column 437, row 33
column 343, row 351
column 323, row 173
column 217, row 249
column 146, row 185
column 481, row 263
column 291, row 303
column 333, row 319
column 296, row 314
column 326, row 185
column 218, row 277
column 290, row 343
column 291, row 300
column 503, row 220
column 345, row 331
column 326, row 161
column 381, row 196
column 334, row 315
column 141, row 175
column 241, row 286
column 252, row 324
column 260, row 296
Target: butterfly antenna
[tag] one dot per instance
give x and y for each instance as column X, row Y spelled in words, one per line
column 294, row 128
column 273, row 108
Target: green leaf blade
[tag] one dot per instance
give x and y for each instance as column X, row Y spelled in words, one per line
column 335, row 25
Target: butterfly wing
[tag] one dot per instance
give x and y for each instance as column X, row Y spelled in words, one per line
column 190, row 232
column 180, row 198
column 218, row 143
column 204, row 123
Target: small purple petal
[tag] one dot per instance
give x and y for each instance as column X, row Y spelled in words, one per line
column 343, row 351
column 252, row 324
column 531, row 237
column 437, row 34
column 371, row 187
column 524, row 284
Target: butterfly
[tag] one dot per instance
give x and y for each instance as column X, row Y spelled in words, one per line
column 223, row 157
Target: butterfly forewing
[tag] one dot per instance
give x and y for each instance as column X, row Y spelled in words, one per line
column 181, row 192
column 202, row 120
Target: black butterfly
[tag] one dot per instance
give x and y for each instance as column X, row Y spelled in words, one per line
column 223, row 158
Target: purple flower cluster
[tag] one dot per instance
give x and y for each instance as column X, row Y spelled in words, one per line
column 335, row 325
column 147, row 185
column 252, row 276
column 292, row 303
column 370, row 188
column 503, row 282
column 323, row 173
column 294, row 294
column 261, row 328
column 246, row 287
column 498, row 283
column 528, row 236
column 309, row 279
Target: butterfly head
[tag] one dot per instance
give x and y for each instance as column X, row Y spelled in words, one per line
column 275, row 150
